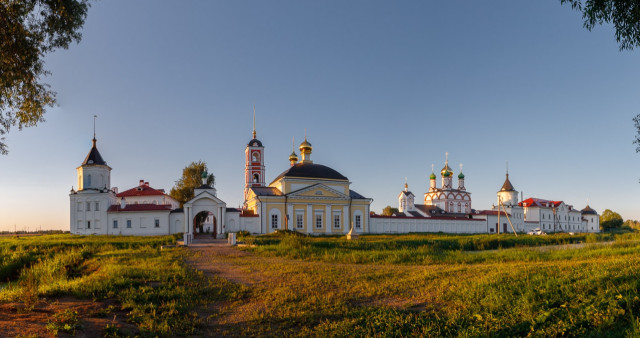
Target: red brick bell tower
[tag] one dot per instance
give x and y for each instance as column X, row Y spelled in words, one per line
column 254, row 163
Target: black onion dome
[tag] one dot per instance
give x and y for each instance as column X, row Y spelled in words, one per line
column 311, row 170
column 588, row 211
column 254, row 143
column 94, row 156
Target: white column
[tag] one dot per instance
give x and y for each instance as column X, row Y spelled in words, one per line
column 291, row 220
column 309, row 219
column 328, row 226
column 224, row 217
column 219, row 216
column 346, row 219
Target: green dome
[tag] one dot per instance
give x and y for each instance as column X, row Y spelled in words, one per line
column 433, row 176
column 204, row 174
column 461, row 176
column 446, row 174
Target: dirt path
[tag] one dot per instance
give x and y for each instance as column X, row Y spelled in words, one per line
column 213, row 259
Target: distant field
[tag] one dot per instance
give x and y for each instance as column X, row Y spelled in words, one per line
column 291, row 285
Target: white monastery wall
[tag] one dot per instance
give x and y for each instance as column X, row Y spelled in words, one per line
column 386, row 224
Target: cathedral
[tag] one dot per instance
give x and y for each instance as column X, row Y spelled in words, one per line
column 306, row 197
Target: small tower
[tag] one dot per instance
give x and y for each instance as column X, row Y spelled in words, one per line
column 507, row 194
column 446, row 173
column 461, row 180
column 254, row 170
column 293, row 158
column 406, row 199
column 89, row 204
column 432, row 180
column 305, row 151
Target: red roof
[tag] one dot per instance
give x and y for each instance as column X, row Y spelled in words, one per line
column 141, row 190
column 140, row 207
column 539, row 202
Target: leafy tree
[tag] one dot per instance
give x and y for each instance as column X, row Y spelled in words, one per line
column 632, row 224
column 389, row 211
column 610, row 219
column 29, row 29
column 623, row 14
column 183, row 190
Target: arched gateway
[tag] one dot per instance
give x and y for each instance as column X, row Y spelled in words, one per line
column 206, row 202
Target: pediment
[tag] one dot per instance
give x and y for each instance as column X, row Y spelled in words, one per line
column 317, row 191
column 205, row 197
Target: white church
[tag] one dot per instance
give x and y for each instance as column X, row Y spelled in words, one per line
column 448, row 209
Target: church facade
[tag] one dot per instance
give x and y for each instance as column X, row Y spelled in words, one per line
column 447, row 209
column 307, row 197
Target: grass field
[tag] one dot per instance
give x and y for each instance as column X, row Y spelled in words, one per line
column 290, row 285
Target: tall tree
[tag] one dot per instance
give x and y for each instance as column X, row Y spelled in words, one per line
column 183, row 190
column 623, row 14
column 610, row 219
column 389, row 211
column 29, row 29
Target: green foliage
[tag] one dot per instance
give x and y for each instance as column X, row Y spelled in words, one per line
column 183, row 191
column 623, row 14
column 30, row 30
column 388, row 211
column 610, row 220
column 243, row 234
column 65, row 321
column 631, row 224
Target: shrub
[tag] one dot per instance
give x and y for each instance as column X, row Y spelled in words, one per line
column 65, row 321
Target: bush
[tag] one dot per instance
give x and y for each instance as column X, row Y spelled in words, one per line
column 65, row 321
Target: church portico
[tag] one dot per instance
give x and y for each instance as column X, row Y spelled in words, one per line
column 205, row 202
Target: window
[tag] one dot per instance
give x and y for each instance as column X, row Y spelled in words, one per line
column 88, row 224
column 128, row 223
column 88, row 206
column 79, row 206
column 319, row 219
column 358, row 222
column 256, row 157
column 299, row 220
column 274, row 221
column 156, row 223
column 336, row 219
column 88, row 180
column 256, row 178
column 115, row 224
column 97, row 206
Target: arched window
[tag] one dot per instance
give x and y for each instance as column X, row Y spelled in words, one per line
column 256, row 178
column 256, row 157
column 89, row 180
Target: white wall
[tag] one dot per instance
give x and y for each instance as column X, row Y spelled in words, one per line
column 383, row 225
column 142, row 223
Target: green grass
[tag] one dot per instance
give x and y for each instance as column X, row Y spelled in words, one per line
column 380, row 285
column 159, row 293
column 410, row 286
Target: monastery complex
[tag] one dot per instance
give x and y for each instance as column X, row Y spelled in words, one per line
column 306, row 197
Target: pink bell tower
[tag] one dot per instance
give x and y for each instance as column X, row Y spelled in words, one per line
column 254, row 162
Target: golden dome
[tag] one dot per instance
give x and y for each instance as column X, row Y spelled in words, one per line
column 293, row 157
column 305, row 145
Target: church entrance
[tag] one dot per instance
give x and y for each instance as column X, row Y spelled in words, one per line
column 205, row 224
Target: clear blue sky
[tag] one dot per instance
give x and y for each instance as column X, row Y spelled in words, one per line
column 384, row 89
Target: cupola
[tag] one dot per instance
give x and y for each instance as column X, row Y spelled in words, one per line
column 305, row 151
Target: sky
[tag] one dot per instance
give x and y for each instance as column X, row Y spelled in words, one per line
column 382, row 88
